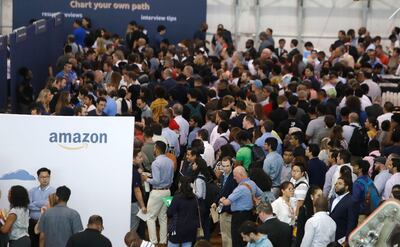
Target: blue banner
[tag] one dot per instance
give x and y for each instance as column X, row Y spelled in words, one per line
column 35, row 47
column 181, row 17
column 3, row 73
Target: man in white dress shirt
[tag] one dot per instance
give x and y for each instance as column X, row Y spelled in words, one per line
column 183, row 124
column 208, row 154
column 320, row 229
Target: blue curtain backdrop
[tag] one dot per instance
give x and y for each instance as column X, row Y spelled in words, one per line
column 37, row 50
column 181, row 17
column 3, row 73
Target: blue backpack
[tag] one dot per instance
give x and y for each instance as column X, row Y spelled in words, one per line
column 371, row 195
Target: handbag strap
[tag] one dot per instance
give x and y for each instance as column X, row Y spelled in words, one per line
column 198, row 210
column 253, row 197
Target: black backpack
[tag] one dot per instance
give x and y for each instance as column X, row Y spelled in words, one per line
column 195, row 111
column 212, row 191
column 257, row 156
column 358, row 145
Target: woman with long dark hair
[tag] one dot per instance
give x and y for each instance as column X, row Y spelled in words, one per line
column 372, row 127
column 264, row 182
column 183, row 215
column 63, row 106
column 306, row 211
column 336, row 137
column 17, row 222
column 124, row 103
column 201, row 176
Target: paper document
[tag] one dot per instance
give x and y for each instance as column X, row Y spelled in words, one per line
column 143, row 216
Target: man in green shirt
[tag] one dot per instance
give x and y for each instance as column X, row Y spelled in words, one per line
column 243, row 155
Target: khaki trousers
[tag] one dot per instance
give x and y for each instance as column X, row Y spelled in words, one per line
column 225, row 220
column 157, row 210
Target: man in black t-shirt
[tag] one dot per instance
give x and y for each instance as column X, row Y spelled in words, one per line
column 91, row 236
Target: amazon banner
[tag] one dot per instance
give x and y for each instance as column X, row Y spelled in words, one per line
column 90, row 155
column 181, row 17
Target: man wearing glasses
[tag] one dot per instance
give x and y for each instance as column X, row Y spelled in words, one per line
column 39, row 199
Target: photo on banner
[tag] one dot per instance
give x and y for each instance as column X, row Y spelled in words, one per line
column 91, row 155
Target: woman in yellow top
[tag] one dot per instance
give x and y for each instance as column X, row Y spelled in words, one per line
column 159, row 103
column 371, row 124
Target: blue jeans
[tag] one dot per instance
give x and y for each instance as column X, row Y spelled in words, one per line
column 134, row 219
column 187, row 244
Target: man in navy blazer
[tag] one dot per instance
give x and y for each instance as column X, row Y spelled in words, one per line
column 279, row 233
column 342, row 209
column 169, row 83
column 228, row 184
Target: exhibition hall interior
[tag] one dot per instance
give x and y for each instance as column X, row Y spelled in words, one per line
column 200, row 123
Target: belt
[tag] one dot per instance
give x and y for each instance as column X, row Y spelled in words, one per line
column 241, row 211
column 160, row 188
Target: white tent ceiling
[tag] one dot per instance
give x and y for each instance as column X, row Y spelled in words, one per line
column 310, row 20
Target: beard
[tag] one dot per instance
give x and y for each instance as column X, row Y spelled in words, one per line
column 341, row 191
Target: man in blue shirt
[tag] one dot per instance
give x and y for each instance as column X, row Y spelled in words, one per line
column 60, row 222
column 241, row 202
column 69, row 75
column 267, row 130
column 249, row 232
column 273, row 164
column 162, row 170
column 39, row 198
column 79, row 33
column 111, row 106
column 159, row 37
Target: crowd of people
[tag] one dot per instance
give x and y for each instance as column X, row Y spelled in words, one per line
column 281, row 145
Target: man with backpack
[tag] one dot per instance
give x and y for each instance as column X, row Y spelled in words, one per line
column 248, row 155
column 356, row 136
column 194, row 107
column 365, row 195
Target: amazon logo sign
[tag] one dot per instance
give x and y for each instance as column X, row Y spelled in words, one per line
column 77, row 141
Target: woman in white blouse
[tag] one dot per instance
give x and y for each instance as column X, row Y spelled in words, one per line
column 124, row 103
column 17, row 221
column 283, row 206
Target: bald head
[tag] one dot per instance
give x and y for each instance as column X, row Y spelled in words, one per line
column 321, row 204
column 239, row 173
column 266, row 54
column 353, row 118
column 178, row 109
